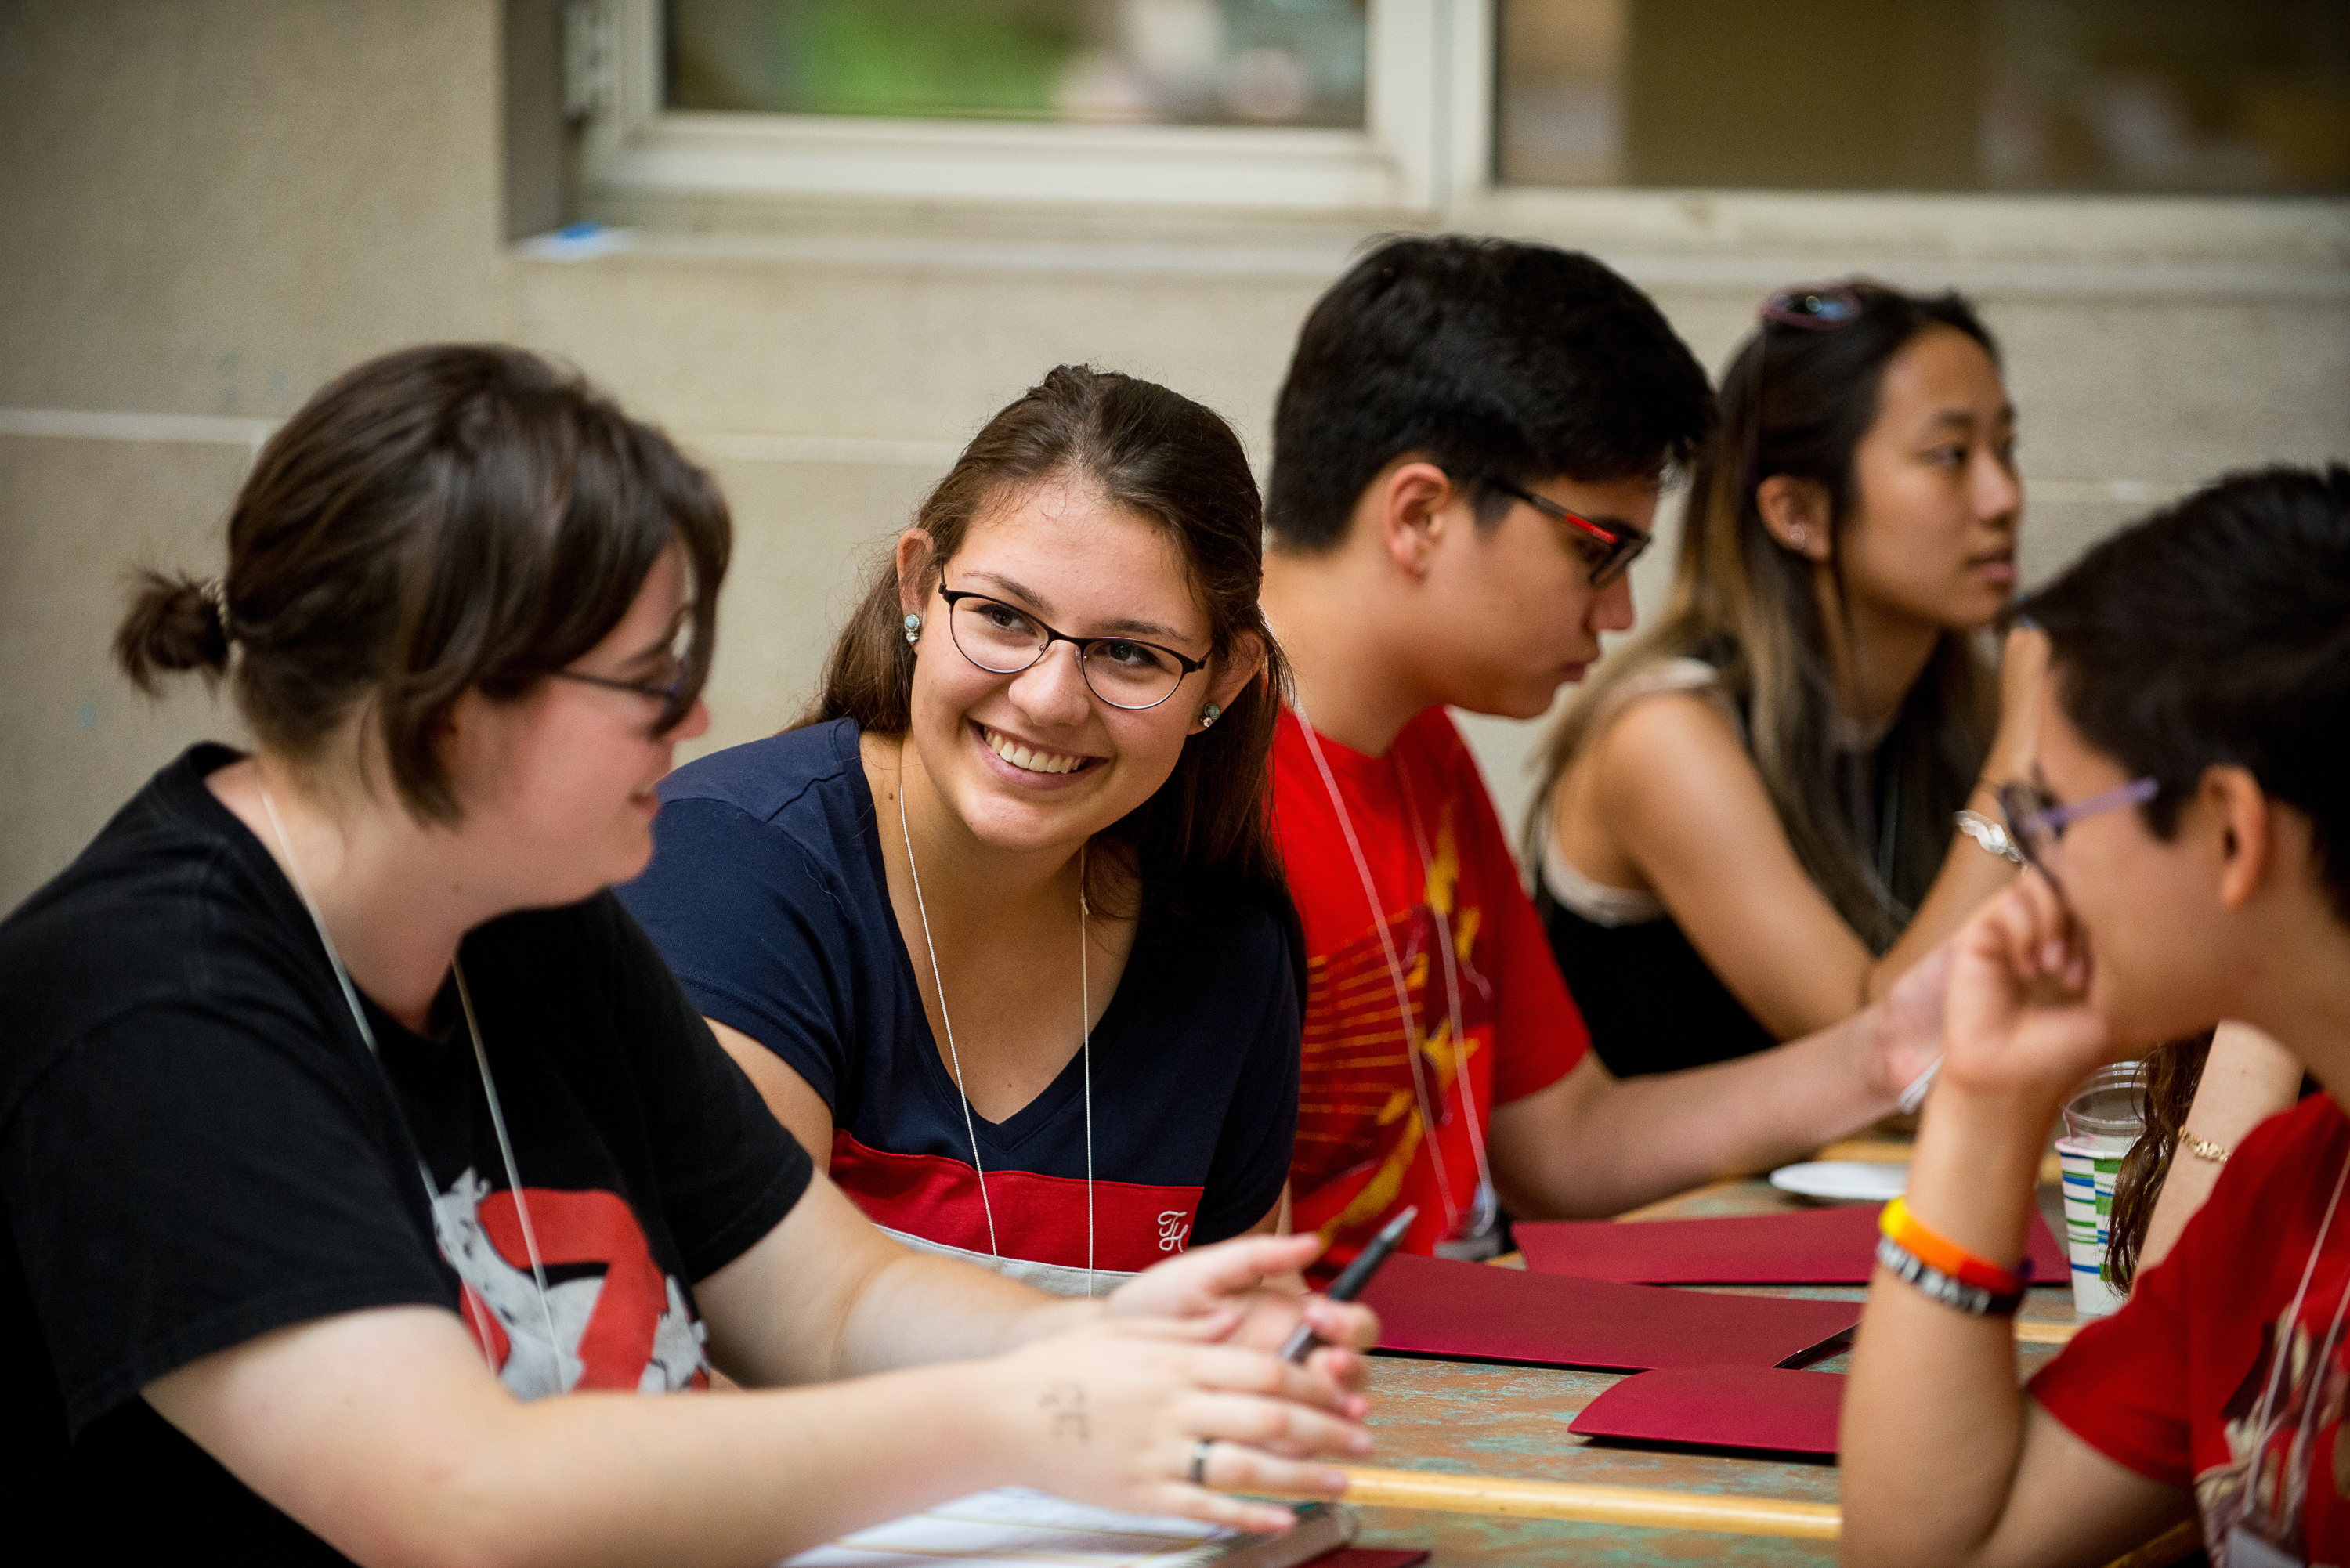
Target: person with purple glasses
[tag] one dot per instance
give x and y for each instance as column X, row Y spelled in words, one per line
column 2187, row 821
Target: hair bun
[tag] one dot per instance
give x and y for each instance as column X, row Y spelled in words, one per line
column 174, row 623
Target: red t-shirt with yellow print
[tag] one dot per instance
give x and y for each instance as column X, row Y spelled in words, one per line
column 1365, row 1148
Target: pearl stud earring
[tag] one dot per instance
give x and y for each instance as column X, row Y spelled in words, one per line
column 1795, row 537
column 1210, row 714
column 913, row 628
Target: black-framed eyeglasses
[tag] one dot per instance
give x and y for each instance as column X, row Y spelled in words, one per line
column 1610, row 548
column 2036, row 820
column 672, row 694
column 1123, row 671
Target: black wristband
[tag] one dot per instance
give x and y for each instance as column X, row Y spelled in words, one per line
column 1955, row 1294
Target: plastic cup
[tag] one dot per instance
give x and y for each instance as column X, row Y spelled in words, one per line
column 2089, row 1166
column 2102, row 1121
column 2105, row 1107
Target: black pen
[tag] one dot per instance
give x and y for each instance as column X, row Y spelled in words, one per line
column 1351, row 1281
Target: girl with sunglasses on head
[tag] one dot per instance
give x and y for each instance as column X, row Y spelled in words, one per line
column 346, row 1116
column 998, row 929
column 1761, row 813
column 2189, row 828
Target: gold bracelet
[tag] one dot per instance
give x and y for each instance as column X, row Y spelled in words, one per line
column 2204, row 1148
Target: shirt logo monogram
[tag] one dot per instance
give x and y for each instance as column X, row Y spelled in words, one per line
column 1174, row 1230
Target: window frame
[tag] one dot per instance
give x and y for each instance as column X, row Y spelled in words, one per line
column 1426, row 140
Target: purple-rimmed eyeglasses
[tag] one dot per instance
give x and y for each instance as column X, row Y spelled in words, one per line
column 2036, row 821
column 1610, row 549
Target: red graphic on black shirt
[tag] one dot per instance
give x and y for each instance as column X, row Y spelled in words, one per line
column 627, row 1327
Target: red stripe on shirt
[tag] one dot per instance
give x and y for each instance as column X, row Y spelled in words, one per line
column 1039, row 1218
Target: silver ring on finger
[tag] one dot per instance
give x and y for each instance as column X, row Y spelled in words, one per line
column 1199, row 1461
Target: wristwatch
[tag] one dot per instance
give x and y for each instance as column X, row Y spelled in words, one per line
column 1990, row 835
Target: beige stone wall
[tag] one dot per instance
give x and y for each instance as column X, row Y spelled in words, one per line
column 206, row 208
column 209, row 206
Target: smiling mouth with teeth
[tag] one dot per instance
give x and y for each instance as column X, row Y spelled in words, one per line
column 1027, row 760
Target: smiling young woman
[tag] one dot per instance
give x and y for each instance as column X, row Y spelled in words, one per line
column 1745, row 829
column 999, row 925
column 346, row 1116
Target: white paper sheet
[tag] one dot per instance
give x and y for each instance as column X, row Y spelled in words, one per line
column 1012, row 1527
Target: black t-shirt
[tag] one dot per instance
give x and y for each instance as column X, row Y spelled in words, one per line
column 196, row 1148
column 768, row 896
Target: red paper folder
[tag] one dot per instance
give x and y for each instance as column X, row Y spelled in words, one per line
column 1721, row 1407
column 1807, row 1247
column 1435, row 1306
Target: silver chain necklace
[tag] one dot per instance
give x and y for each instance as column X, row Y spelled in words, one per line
column 489, row 1093
column 1471, row 1240
column 1085, row 1036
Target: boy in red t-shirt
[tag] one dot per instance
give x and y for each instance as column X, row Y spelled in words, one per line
column 1467, row 455
column 2190, row 827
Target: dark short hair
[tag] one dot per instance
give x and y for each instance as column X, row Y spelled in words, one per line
column 436, row 520
column 2217, row 632
column 1158, row 454
column 1494, row 359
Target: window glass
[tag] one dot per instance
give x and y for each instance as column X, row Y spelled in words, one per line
column 1160, row 62
column 2251, row 97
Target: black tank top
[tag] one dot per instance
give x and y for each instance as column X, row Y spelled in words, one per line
column 1650, row 1001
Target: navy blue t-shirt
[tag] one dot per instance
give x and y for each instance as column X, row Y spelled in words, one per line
column 768, row 896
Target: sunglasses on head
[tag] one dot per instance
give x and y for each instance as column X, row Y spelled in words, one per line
column 1814, row 306
column 1809, row 308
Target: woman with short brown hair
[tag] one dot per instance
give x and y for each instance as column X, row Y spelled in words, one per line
column 345, row 1114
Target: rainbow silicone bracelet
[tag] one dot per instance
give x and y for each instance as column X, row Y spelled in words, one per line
column 1944, row 1256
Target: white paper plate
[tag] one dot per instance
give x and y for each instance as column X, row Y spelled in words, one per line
column 1843, row 1180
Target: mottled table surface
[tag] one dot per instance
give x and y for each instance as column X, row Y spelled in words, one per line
column 1478, row 1419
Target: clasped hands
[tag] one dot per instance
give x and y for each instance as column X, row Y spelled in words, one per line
column 1172, row 1393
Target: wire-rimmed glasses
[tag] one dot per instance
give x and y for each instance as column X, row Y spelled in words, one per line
column 2036, row 820
column 1618, row 546
column 1123, row 671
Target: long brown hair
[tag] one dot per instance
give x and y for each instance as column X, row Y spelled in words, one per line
column 2165, row 1094
column 1746, row 605
column 1157, row 455
column 433, row 521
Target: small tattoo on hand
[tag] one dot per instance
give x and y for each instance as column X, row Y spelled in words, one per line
column 1064, row 1403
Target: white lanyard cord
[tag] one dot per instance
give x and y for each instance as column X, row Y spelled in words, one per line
column 1084, row 1037
column 506, row 1154
column 1085, row 1061
column 480, row 1059
column 1395, row 973
column 2278, row 1353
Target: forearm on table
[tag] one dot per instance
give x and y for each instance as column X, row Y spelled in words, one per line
column 1605, row 1145
column 826, row 1294
column 382, row 1432
column 740, row 1479
column 920, row 1309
